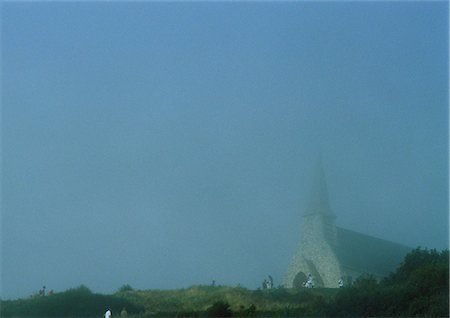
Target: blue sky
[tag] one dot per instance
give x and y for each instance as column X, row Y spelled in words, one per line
column 170, row 144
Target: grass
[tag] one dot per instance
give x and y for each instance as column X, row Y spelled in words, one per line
column 197, row 299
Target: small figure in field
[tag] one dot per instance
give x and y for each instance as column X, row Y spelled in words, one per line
column 213, row 283
column 42, row 291
column 341, row 282
column 270, row 282
column 108, row 313
column 310, row 282
column 264, row 284
column 123, row 313
column 50, row 292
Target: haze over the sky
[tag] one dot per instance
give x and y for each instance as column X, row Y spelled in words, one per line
column 163, row 145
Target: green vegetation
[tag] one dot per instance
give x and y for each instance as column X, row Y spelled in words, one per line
column 76, row 302
column 125, row 288
column 219, row 309
column 207, row 301
column 419, row 287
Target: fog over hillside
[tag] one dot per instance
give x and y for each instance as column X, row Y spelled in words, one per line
column 163, row 145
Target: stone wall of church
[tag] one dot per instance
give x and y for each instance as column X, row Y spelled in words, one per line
column 316, row 249
column 298, row 264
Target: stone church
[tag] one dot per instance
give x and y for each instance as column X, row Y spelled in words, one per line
column 328, row 252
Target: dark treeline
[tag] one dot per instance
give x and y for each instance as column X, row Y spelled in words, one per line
column 76, row 302
column 419, row 287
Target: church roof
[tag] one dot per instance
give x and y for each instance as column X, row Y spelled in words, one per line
column 368, row 254
column 355, row 251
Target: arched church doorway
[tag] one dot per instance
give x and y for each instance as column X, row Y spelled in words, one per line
column 299, row 279
column 315, row 273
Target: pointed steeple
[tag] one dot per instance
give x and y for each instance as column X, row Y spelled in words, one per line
column 319, row 202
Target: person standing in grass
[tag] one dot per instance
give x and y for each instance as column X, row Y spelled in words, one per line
column 310, row 281
column 108, row 313
column 341, row 282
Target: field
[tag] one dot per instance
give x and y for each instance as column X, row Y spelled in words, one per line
column 419, row 287
column 195, row 301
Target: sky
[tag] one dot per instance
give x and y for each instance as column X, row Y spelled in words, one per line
column 164, row 145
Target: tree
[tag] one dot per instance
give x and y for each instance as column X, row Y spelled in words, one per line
column 125, row 288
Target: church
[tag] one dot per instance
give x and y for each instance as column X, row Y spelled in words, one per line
column 330, row 253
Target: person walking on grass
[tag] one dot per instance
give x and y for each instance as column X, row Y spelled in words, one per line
column 108, row 313
column 310, row 281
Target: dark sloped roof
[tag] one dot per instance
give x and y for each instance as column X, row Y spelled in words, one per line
column 369, row 254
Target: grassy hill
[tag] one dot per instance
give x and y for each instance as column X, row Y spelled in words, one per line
column 75, row 302
column 419, row 287
column 196, row 300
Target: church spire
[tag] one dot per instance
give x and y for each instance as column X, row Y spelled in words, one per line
column 319, row 202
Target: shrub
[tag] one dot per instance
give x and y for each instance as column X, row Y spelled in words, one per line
column 247, row 312
column 419, row 287
column 219, row 309
column 125, row 288
column 75, row 302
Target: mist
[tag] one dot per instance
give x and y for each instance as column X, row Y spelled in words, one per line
column 164, row 145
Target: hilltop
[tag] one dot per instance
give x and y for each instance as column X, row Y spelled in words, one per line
column 419, row 287
column 196, row 300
